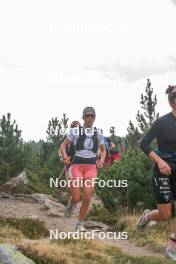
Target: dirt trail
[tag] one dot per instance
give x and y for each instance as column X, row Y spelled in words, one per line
column 17, row 208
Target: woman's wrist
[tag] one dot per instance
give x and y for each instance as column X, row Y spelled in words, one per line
column 102, row 161
column 156, row 158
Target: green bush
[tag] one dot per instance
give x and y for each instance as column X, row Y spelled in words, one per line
column 134, row 167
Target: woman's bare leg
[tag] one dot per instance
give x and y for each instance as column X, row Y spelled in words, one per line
column 161, row 214
column 86, row 199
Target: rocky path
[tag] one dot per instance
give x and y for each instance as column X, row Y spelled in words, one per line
column 35, row 210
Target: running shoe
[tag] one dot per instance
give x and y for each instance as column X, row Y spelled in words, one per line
column 80, row 227
column 170, row 254
column 70, row 209
column 143, row 221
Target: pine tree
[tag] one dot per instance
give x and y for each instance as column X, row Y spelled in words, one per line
column 145, row 118
column 148, row 105
column 56, row 129
column 12, row 158
column 133, row 135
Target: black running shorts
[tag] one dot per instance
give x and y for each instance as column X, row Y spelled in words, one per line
column 164, row 186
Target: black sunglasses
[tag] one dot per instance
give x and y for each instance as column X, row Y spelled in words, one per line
column 89, row 115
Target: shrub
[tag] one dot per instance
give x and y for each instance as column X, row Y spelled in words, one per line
column 134, row 167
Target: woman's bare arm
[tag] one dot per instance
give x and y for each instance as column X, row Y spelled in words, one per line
column 103, row 152
column 103, row 156
column 62, row 150
column 163, row 166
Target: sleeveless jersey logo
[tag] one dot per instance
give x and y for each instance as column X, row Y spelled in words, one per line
column 88, row 143
column 166, row 196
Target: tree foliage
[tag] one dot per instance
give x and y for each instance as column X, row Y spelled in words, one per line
column 12, row 158
column 39, row 159
column 145, row 117
column 134, row 166
column 56, row 129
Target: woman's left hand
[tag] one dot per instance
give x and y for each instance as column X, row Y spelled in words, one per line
column 100, row 164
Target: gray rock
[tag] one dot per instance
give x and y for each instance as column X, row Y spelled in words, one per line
column 55, row 213
column 4, row 195
column 41, row 197
column 10, row 186
column 48, row 204
column 10, row 255
column 30, row 199
column 18, row 196
column 95, row 225
column 32, row 217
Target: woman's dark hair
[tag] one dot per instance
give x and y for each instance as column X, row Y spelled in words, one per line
column 171, row 91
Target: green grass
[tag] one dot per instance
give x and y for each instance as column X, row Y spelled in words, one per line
column 154, row 237
column 32, row 229
column 100, row 214
column 83, row 252
column 71, row 251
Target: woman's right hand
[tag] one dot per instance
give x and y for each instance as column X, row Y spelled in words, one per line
column 164, row 167
column 66, row 159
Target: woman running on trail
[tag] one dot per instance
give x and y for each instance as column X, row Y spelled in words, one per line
column 87, row 140
column 164, row 169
